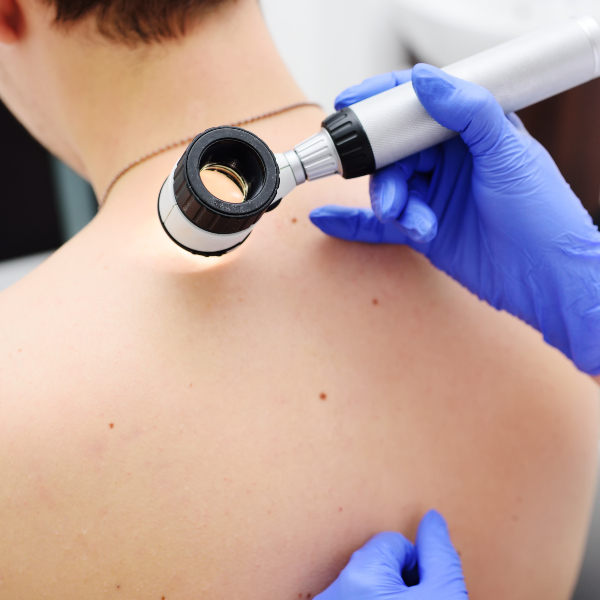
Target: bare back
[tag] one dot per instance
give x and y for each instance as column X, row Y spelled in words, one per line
column 179, row 428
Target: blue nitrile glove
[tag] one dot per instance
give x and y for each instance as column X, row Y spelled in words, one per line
column 509, row 227
column 415, row 220
column 386, row 566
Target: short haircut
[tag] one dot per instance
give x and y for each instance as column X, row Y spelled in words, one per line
column 135, row 21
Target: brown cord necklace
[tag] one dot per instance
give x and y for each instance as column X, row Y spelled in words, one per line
column 188, row 140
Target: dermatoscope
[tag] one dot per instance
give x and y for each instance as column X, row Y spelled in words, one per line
column 361, row 139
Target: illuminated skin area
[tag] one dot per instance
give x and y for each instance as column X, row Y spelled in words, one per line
column 177, row 427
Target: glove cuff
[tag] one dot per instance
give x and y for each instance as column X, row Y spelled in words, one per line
column 567, row 309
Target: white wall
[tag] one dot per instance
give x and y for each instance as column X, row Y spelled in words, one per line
column 444, row 31
column 329, row 45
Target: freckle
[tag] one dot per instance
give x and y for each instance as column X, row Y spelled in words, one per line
column 118, row 587
column 375, row 302
column 309, row 595
column 294, row 220
column 515, row 518
column 20, row 350
column 112, row 425
column 323, row 396
column 191, row 385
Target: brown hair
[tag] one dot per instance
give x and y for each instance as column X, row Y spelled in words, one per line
column 134, row 21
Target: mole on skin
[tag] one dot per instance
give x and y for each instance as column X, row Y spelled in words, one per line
column 375, row 302
column 112, row 425
column 323, row 396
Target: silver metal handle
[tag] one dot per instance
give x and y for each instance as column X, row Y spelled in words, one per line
column 519, row 73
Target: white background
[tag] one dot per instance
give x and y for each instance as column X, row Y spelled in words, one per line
column 331, row 44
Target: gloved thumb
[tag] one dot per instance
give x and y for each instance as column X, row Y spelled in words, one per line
column 439, row 562
column 461, row 106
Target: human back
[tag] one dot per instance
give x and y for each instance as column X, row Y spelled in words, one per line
column 180, row 427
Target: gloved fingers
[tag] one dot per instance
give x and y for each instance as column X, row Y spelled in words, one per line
column 423, row 162
column 371, row 87
column 464, row 107
column 427, row 160
column 385, row 557
column 388, row 189
column 419, row 183
column 356, row 225
column 438, row 559
column 418, row 221
column 375, row 571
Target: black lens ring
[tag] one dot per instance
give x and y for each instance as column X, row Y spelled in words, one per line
column 240, row 150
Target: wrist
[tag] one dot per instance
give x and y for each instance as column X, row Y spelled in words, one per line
column 567, row 302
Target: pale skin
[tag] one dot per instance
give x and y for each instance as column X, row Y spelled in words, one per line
column 234, row 428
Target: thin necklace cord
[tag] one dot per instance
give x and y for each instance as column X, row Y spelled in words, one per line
column 188, row 140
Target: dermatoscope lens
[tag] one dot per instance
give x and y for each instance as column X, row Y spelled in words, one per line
column 224, row 183
column 219, row 189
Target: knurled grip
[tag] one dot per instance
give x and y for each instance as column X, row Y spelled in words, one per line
column 519, row 73
column 351, row 143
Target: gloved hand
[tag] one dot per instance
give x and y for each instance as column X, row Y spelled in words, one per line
column 386, row 566
column 508, row 226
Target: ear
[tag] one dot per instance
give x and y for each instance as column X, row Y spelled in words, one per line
column 11, row 21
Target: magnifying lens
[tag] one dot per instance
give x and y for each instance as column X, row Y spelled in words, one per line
column 228, row 178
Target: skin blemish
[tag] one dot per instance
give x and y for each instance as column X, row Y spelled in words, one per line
column 323, row 396
column 375, row 302
column 294, row 220
column 341, row 509
column 112, row 425
column 300, row 595
column 309, row 595
column 20, row 349
column 118, row 587
column 191, row 385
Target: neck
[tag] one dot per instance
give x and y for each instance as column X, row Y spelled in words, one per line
column 134, row 101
